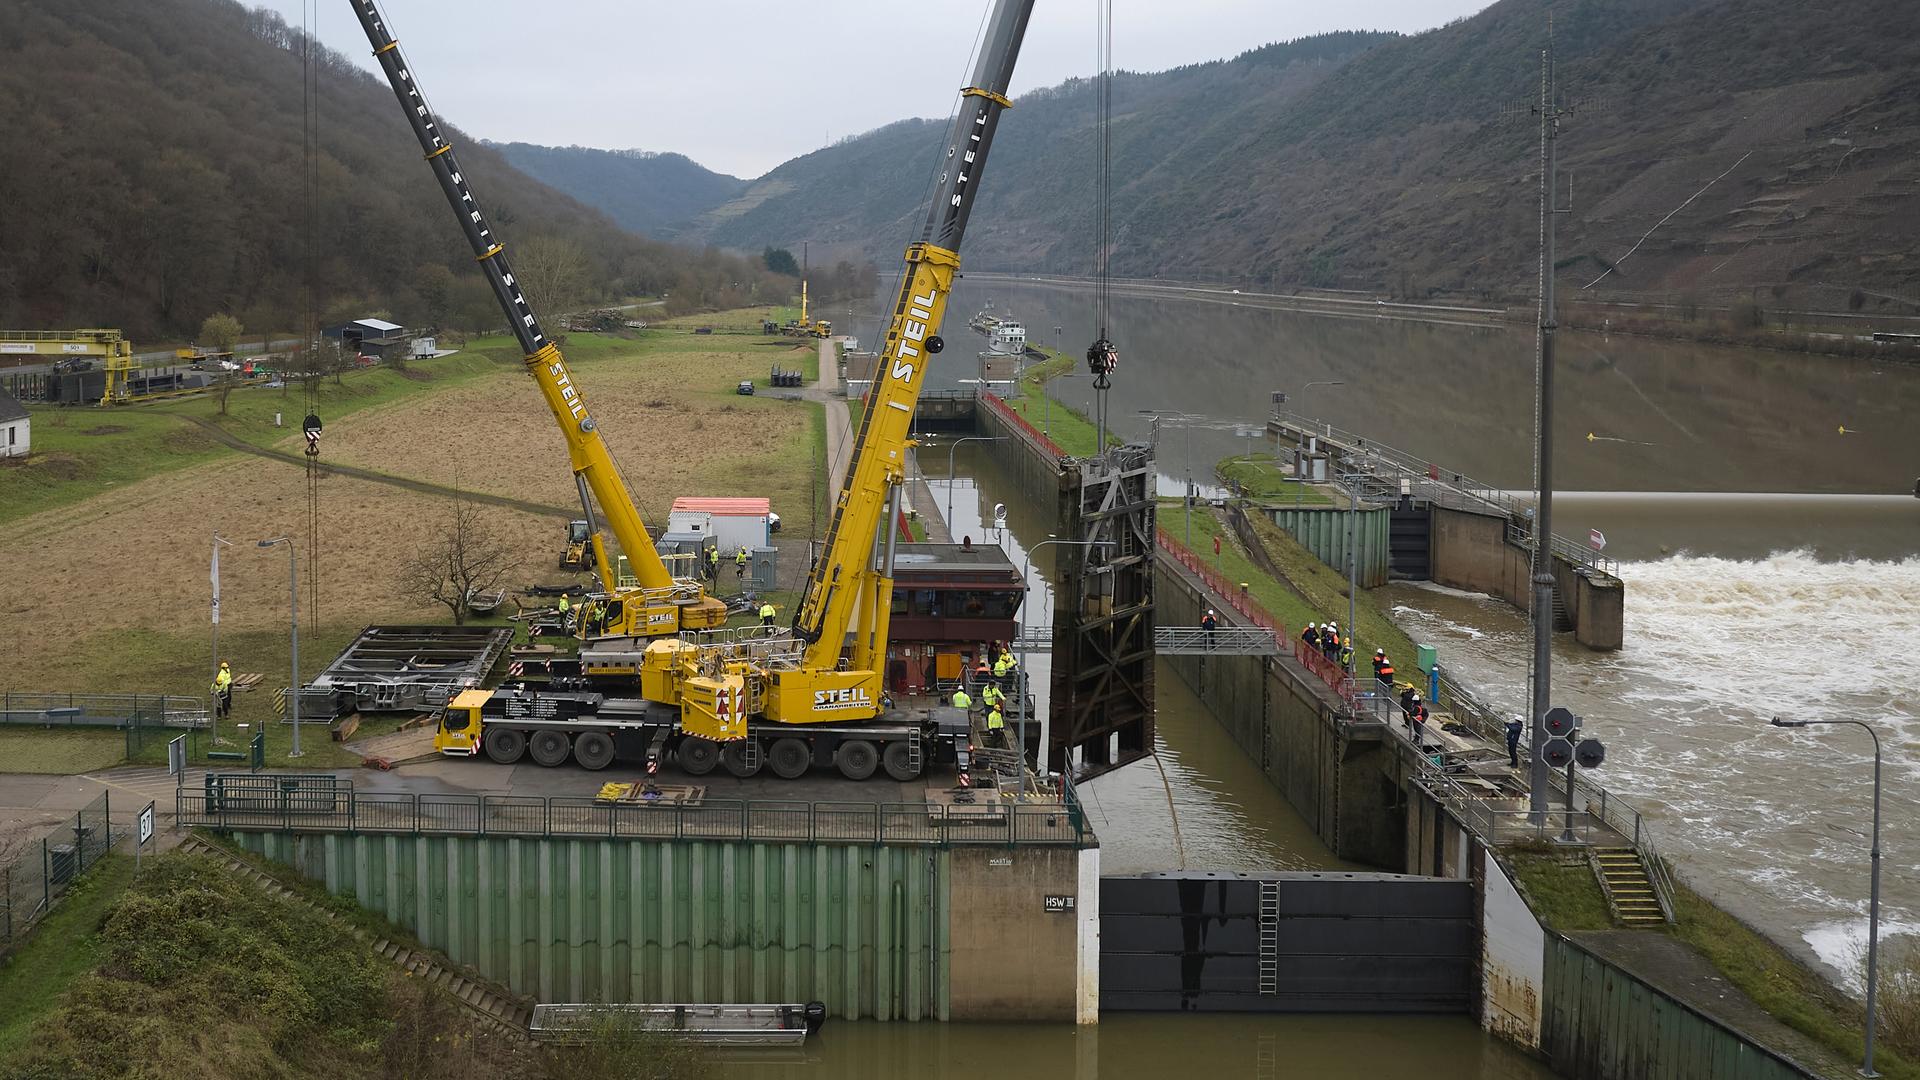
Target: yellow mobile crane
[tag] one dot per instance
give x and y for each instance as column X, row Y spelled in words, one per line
column 745, row 698
column 661, row 603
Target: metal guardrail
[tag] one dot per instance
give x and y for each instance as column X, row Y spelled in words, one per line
column 1431, row 478
column 1062, row 824
column 42, row 870
column 102, row 710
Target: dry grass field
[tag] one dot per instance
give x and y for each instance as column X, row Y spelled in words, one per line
column 111, row 592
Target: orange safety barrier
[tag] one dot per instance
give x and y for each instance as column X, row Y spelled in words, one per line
column 1012, row 416
column 1329, row 672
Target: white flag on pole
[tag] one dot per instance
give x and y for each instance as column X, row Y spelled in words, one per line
column 216, row 582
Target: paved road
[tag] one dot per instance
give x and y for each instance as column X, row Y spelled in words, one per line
column 826, row 390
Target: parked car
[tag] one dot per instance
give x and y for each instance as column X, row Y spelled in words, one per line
column 773, row 521
column 745, row 389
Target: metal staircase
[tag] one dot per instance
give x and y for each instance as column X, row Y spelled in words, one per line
column 1623, row 878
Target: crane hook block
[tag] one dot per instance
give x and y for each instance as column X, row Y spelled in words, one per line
column 1102, row 357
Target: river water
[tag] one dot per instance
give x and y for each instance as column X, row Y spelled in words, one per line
column 1771, row 559
column 1199, row 804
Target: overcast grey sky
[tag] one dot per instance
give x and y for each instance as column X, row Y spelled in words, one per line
column 742, row 85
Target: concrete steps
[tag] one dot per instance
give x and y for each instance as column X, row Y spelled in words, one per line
column 1623, row 878
column 489, row 1004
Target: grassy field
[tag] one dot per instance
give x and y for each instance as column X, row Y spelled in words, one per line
column 61, row 751
column 135, row 523
column 1258, row 476
column 1311, row 591
column 1071, row 431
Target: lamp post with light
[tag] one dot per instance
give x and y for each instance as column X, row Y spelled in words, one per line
column 1873, row 901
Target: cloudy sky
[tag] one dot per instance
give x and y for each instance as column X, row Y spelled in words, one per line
column 742, row 85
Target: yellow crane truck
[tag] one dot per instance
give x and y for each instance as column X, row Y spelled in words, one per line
column 744, row 698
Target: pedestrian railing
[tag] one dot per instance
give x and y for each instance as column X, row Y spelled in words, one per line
column 102, row 710
column 993, row 821
column 1012, row 417
column 1385, row 467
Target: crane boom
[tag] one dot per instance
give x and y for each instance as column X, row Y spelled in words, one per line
column 586, row 450
column 846, row 577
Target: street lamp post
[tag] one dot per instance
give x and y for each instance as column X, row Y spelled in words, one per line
column 1873, row 901
column 293, row 620
column 951, row 447
column 1026, row 585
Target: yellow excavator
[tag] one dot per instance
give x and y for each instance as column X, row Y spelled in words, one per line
column 659, row 602
column 789, row 700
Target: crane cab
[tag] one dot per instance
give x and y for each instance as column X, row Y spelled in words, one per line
column 460, row 724
column 822, row 328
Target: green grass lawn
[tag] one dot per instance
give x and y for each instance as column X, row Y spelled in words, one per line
column 1258, row 476
column 1310, row 592
column 1069, row 429
column 61, row 751
column 65, row 944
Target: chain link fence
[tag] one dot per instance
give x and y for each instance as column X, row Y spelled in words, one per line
column 39, row 871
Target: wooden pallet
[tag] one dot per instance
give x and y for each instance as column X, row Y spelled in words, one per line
column 243, row 683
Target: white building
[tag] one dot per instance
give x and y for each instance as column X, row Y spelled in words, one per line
column 733, row 523
column 16, row 427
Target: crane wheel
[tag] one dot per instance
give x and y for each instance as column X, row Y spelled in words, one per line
column 790, row 758
column 697, row 756
column 593, row 750
column 736, row 757
column 898, row 759
column 857, row 759
column 549, row 748
column 505, row 745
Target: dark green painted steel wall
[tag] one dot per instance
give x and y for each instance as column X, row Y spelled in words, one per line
column 861, row 928
column 1323, row 531
column 1601, row 1023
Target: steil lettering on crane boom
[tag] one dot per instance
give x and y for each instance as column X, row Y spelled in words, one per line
column 915, row 330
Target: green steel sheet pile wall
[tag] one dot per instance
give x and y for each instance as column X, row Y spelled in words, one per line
column 862, row 928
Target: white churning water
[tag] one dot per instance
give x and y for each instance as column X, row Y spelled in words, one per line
column 1772, row 823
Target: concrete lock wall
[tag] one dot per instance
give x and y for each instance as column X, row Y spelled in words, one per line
column 1512, row 956
column 1323, row 531
column 862, row 928
column 1338, row 776
column 1032, row 468
column 1020, row 949
column 1471, row 552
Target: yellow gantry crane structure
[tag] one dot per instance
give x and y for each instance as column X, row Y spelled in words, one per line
column 660, row 603
column 110, row 347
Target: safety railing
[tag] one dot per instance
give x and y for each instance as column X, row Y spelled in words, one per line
column 102, row 710
column 1385, row 466
column 41, row 870
column 1055, row 823
column 1012, row 417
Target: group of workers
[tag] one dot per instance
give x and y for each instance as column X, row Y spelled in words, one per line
column 739, row 565
column 993, row 679
column 1325, row 638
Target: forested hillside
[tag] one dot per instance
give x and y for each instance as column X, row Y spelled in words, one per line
column 1411, row 164
column 652, row 194
column 153, row 176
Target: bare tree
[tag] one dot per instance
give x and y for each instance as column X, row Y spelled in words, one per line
column 465, row 557
column 554, row 272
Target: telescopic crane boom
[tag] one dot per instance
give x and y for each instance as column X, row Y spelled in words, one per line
column 847, row 581
column 661, row 604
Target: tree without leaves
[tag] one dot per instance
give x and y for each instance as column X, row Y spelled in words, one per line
column 467, row 556
column 554, row 271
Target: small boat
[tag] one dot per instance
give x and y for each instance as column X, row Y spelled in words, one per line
column 708, row 1025
column 484, row 602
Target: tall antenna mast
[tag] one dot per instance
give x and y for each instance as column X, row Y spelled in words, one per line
column 1550, row 112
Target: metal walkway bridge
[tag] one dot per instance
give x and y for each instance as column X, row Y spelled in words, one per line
column 1184, row 641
